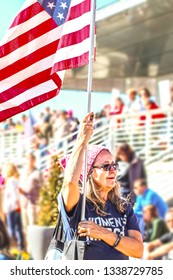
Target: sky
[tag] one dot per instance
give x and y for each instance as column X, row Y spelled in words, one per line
column 10, row 8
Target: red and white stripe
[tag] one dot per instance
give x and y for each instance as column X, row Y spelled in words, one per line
column 35, row 51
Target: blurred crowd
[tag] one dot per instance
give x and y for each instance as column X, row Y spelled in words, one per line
column 138, row 101
column 54, row 125
column 39, row 131
column 19, row 207
column 49, row 122
column 19, row 191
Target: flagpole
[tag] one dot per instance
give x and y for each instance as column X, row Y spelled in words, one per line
column 89, row 89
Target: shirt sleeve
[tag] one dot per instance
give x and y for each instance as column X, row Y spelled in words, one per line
column 70, row 219
column 132, row 222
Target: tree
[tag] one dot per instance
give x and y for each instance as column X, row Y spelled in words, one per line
column 49, row 192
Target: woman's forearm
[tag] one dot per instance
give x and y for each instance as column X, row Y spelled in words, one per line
column 130, row 246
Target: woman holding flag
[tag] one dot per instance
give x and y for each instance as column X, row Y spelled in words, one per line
column 110, row 226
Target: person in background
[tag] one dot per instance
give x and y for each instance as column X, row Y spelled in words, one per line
column 8, row 124
column 4, row 243
column 99, row 118
column 161, row 248
column 117, row 110
column 74, row 123
column 4, row 125
column 39, row 122
column 118, row 107
column 46, row 128
column 148, row 105
column 11, row 124
column 12, row 207
column 131, row 113
column 54, row 116
column 155, row 227
column 62, row 127
column 110, row 226
column 19, row 127
column 114, row 113
column 146, row 196
column 48, row 115
column 134, row 168
column 73, row 120
column 42, row 146
column 28, row 133
column 42, row 152
column 133, row 104
column 30, row 183
column 2, row 182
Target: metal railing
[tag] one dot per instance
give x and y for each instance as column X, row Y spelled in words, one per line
column 160, row 178
column 149, row 138
column 11, row 146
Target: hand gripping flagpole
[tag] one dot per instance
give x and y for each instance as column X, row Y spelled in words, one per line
column 89, row 89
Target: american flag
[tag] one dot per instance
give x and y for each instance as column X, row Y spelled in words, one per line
column 45, row 38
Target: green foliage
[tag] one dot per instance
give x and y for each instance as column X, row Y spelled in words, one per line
column 48, row 202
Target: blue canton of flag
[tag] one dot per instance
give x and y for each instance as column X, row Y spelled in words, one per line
column 57, row 9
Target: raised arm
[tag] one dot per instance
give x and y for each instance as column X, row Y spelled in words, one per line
column 70, row 189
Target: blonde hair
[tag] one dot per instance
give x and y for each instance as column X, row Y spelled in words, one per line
column 93, row 195
column 11, row 171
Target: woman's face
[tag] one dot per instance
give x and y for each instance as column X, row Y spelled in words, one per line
column 104, row 179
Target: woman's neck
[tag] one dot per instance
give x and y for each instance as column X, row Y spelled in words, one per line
column 104, row 195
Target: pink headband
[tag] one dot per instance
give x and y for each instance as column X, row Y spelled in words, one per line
column 92, row 152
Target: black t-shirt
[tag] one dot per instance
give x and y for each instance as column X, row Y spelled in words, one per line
column 113, row 221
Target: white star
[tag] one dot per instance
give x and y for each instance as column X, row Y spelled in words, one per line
column 51, row 5
column 60, row 16
column 64, row 5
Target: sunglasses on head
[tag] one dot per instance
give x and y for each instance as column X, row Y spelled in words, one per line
column 108, row 166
